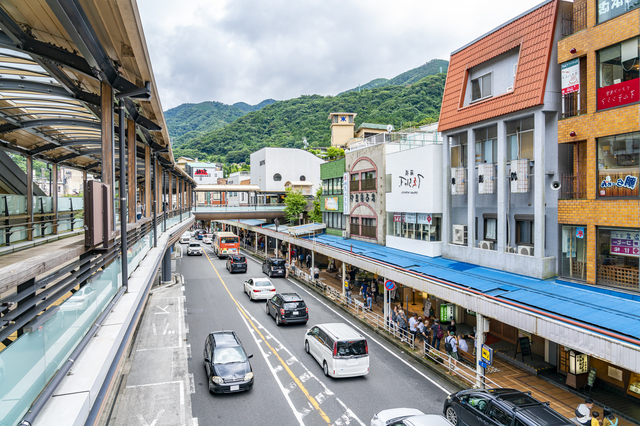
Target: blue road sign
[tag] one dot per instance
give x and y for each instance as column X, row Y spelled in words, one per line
column 389, row 285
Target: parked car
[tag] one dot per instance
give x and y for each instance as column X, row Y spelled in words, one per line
column 195, row 249
column 499, row 407
column 274, row 267
column 259, row 288
column 236, row 263
column 185, row 238
column 339, row 349
column 408, row 417
column 226, row 363
column 287, row 308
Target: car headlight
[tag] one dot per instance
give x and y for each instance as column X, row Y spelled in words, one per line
column 248, row 376
column 217, row 380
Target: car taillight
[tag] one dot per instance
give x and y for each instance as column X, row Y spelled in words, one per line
column 256, row 291
column 282, row 312
column 273, row 289
column 335, row 349
column 366, row 348
column 306, row 310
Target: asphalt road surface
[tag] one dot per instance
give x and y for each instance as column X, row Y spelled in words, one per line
column 289, row 385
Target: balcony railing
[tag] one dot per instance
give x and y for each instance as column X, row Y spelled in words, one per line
column 576, row 20
column 573, row 186
column 368, row 231
column 354, row 229
column 573, row 105
column 354, row 185
column 368, row 184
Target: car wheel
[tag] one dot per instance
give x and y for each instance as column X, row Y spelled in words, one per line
column 325, row 368
column 251, row 296
column 267, row 309
column 278, row 322
column 452, row 416
column 306, row 346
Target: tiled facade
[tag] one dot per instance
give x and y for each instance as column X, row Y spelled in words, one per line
column 332, row 174
column 587, row 208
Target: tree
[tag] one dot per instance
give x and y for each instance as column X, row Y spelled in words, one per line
column 334, row 153
column 294, row 205
column 315, row 215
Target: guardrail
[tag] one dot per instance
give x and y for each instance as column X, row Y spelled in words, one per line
column 222, row 208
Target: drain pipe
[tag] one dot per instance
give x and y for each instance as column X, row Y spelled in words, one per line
column 47, row 393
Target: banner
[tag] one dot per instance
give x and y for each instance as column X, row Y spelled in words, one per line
column 331, row 204
column 570, row 74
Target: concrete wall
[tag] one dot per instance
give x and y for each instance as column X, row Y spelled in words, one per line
column 290, row 163
column 502, row 73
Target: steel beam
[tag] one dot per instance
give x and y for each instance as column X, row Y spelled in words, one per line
column 48, row 122
column 45, row 88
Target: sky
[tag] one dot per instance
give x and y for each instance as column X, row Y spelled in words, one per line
column 249, row 50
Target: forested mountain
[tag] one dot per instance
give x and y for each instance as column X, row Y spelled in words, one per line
column 434, row 66
column 188, row 121
column 286, row 123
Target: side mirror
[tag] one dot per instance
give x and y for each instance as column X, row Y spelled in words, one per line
column 207, row 360
column 249, row 356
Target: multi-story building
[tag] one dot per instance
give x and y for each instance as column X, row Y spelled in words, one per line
column 239, row 198
column 499, row 122
column 599, row 140
column 333, row 192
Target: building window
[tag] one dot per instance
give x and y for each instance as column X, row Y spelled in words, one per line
column 486, row 145
column 617, row 257
column 481, row 87
column 490, row 229
column 368, row 227
column 619, row 165
column 458, row 150
column 333, row 220
column 415, row 226
column 618, row 82
column 609, row 9
column 303, row 178
column 524, row 232
column 368, row 182
column 355, row 182
column 354, row 229
column 520, row 139
column 574, row 252
column 277, row 177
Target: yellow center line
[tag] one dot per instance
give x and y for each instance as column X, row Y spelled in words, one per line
column 311, row 399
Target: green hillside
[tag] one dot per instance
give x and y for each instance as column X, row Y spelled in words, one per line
column 285, row 123
column 188, row 121
column 434, row 66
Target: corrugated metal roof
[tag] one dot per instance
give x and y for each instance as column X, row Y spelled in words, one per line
column 604, row 308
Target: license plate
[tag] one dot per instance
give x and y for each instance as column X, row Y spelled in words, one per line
column 234, row 387
column 295, row 312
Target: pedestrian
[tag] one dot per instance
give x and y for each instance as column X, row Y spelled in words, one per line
column 413, row 329
column 309, row 261
column 583, row 412
column 352, row 275
column 422, row 331
column 347, row 291
column 394, row 319
column 437, row 334
column 301, row 259
column 286, row 269
column 316, row 273
column 462, row 343
column 375, row 291
column 369, row 299
column 594, row 418
column 452, row 326
column 609, row 419
column 451, row 346
column 138, row 211
column 403, row 326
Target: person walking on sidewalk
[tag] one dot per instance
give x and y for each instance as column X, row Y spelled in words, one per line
column 437, row 334
column 583, row 412
column 413, row 327
column 451, row 346
column 422, row 331
column 402, row 325
column 309, row 261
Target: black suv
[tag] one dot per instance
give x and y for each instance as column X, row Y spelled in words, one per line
column 274, row 267
column 500, row 407
column 236, row 263
column 227, row 364
column 287, row 308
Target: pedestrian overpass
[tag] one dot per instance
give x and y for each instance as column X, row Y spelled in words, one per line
column 219, row 208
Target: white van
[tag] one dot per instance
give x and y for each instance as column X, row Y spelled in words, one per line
column 339, row 349
column 185, row 238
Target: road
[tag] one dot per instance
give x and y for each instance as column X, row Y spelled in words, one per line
column 289, row 386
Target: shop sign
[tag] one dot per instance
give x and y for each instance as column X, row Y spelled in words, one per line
column 262, row 162
column 410, row 181
column 626, row 92
column 487, row 355
column 331, row 204
column 397, row 217
column 625, row 243
column 609, row 9
column 345, row 193
column 425, row 219
column 365, row 197
column 201, row 172
column 409, row 218
column 570, row 76
column 628, row 182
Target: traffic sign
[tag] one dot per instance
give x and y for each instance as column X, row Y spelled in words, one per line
column 389, row 285
column 482, row 364
column 487, row 355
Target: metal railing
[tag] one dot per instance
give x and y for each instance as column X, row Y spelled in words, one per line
column 573, row 104
column 402, row 140
column 574, row 186
column 368, row 184
column 576, row 20
column 203, row 208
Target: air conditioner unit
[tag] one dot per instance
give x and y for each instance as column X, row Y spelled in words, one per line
column 512, row 250
column 486, row 245
column 485, row 178
column 459, row 235
column 458, row 178
column 519, row 176
column 525, row 250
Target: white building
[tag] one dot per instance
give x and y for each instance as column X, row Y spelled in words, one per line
column 271, row 168
column 238, row 198
column 205, row 173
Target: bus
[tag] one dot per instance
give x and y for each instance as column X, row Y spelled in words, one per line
column 225, row 243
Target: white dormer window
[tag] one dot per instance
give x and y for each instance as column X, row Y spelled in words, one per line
column 481, row 87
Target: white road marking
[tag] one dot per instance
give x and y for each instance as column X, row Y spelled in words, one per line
column 164, row 310
column 194, row 421
column 143, row 421
column 188, row 350
column 153, row 326
column 165, row 329
column 192, row 384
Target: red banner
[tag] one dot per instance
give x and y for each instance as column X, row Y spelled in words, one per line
column 619, row 94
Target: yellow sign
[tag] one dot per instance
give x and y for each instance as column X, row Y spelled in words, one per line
column 487, row 354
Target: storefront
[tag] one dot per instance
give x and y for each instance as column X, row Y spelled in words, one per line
column 573, row 261
column 617, row 255
column 619, row 166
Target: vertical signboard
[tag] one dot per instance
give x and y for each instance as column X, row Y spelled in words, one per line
column 345, row 194
column 570, row 72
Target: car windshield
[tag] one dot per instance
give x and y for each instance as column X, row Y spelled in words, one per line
column 194, row 245
column 277, row 262
column 352, row 347
column 238, row 258
column 261, row 283
column 229, row 355
column 294, row 305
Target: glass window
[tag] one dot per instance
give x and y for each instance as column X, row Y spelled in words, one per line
column 369, row 175
column 458, row 150
column 617, row 257
column 486, row 145
column 490, row 229
column 355, row 176
column 419, row 226
column 619, row 165
column 609, row 9
column 499, row 416
column 524, row 232
column 618, row 74
column 481, row 87
column 277, row 177
column 574, row 252
column 520, row 139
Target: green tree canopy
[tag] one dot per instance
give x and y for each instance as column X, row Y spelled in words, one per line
column 295, row 204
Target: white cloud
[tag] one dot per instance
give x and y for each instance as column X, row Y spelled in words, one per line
column 251, row 50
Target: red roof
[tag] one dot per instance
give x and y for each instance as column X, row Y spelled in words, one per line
column 533, row 33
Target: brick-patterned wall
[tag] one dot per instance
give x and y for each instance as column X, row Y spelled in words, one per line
column 591, row 125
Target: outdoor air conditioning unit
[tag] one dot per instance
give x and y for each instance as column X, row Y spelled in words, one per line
column 519, row 176
column 525, row 250
column 485, row 245
column 512, row 250
column 459, row 235
column 458, row 186
column 485, row 178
